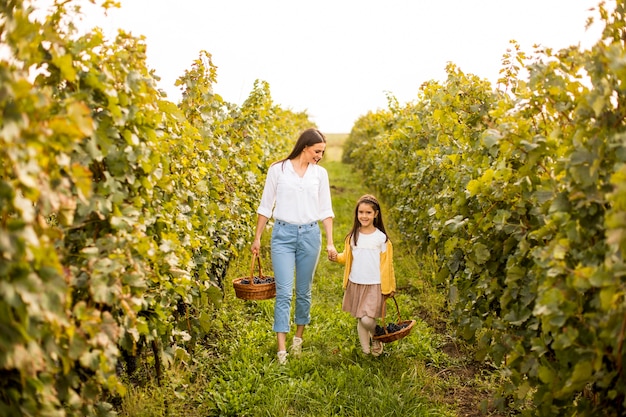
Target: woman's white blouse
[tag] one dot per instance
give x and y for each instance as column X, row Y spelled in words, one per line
column 294, row 199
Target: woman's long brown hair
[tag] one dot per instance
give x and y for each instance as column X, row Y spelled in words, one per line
column 309, row 137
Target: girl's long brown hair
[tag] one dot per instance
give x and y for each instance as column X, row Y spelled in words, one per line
column 378, row 220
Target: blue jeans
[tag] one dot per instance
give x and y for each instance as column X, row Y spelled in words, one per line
column 294, row 247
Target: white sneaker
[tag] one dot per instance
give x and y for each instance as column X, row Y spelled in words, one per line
column 377, row 347
column 282, row 357
column 296, row 346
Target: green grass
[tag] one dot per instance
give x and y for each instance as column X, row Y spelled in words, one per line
column 234, row 371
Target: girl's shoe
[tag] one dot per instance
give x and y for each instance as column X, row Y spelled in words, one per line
column 377, row 347
column 296, row 346
column 282, row 357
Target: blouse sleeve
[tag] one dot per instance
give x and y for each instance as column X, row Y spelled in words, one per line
column 326, row 205
column 268, row 198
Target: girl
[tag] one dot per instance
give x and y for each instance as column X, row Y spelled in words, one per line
column 369, row 276
column 297, row 195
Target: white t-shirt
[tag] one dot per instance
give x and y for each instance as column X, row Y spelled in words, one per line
column 294, row 199
column 366, row 258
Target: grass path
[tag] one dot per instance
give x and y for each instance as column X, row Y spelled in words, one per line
column 235, row 372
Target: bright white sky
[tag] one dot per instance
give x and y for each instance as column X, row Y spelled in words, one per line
column 338, row 59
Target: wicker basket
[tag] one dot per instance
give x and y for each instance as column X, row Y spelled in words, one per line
column 252, row 291
column 390, row 337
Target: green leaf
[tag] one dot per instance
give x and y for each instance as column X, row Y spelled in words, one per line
column 560, row 203
column 598, row 105
column 609, row 299
column 473, row 187
column 491, row 137
column 481, row 253
column 581, row 376
column 546, row 375
column 65, row 64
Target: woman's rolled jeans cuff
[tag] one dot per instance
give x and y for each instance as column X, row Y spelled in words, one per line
column 294, row 247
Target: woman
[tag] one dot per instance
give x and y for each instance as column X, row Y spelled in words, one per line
column 297, row 195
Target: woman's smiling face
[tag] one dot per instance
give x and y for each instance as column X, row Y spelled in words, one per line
column 314, row 153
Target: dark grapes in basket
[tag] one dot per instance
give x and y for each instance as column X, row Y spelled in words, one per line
column 391, row 328
column 258, row 280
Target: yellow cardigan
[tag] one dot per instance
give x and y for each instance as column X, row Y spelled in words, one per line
column 387, row 275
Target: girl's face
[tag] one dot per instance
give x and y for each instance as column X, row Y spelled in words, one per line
column 314, row 153
column 366, row 214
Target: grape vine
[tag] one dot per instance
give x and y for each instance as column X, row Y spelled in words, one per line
column 120, row 211
column 518, row 192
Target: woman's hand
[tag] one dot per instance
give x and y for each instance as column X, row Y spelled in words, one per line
column 256, row 247
column 332, row 253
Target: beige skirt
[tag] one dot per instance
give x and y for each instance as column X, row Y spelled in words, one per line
column 363, row 300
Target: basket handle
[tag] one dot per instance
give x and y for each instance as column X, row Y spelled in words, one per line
column 384, row 312
column 258, row 259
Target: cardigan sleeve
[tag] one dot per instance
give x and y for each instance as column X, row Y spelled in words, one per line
column 345, row 258
column 387, row 273
column 341, row 258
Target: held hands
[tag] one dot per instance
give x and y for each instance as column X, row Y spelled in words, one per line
column 332, row 253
